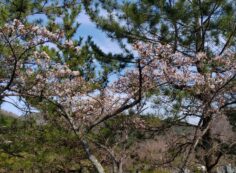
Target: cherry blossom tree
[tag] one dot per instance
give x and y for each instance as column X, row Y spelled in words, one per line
column 37, row 69
column 30, row 12
column 47, row 82
column 202, row 86
column 18, row 42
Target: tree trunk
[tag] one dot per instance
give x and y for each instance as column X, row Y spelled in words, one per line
column 207, row 143
column 92, row 158
column 120, row 165
column 117, row 166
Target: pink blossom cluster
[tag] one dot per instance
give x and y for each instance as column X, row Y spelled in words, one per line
column 22, row 43
column 66, row 87
column 37, row 74
column 33, row 35
column 207, row 79
column 40, row 75
column 161, row 64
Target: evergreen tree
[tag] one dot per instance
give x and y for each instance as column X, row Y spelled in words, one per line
column 189, row 26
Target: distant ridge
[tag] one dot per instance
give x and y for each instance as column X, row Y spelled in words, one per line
column 7, row 113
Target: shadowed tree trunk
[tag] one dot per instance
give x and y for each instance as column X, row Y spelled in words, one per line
column 117, row 166
column 92, row 158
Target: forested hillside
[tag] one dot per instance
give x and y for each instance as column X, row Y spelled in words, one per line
column 45, row 146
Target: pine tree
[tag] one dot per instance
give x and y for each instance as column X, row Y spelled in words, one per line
column 188, row 26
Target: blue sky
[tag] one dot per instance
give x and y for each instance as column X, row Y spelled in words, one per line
column 88, row 28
